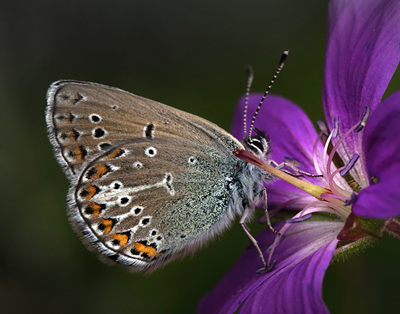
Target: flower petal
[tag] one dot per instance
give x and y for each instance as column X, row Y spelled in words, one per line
column 292, row 135
column 382, row 161
column 361, row 57
column 293, row 286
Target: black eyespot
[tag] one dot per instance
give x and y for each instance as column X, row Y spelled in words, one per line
column 99, row 132
column 124, row 200
column 149, row 130
column 150, row 151
column 192, row 160
column 89, row 211
column 115, row 242
column 145, row 221
column 104, row 146
column 94, row 118
column 134, row 252
column 137, row 165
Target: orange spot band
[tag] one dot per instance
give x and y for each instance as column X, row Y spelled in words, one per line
column 92, row 191
column 108, row 223
column 148, row 250
column 101, row 170
column 116, row 153
column 122, row 238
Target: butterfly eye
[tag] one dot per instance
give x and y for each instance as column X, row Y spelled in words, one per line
column 254, row 142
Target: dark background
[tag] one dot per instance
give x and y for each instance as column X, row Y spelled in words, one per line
column 190, row 55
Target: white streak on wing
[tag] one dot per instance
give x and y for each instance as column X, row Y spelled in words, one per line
column 111, row 196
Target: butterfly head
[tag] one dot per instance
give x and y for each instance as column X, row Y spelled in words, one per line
column 258, row 145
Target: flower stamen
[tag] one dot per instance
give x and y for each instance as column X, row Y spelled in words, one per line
column 299, row 219
column 335, row 130
column 315, row 145
column 349, row 165
column 351, row 200
column 323, row 127
column 364, row 119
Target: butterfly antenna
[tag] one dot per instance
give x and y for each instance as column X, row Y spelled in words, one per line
column 250, row 77
column 278, row 70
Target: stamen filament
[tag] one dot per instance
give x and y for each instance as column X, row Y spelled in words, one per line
column 328, row 166
column 323, row 206
column 334, row 187
column 315, row 160
column 335, row 148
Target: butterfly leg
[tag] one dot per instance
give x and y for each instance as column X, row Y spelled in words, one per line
column 298, row 172
column 246, row 214
column 265, row 207
column 243, row 219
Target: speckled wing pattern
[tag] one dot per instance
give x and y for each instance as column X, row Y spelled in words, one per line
column 148, row 181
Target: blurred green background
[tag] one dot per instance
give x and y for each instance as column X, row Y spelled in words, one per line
column 190, row 55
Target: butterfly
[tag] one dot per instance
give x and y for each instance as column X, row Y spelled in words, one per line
column 148, row 182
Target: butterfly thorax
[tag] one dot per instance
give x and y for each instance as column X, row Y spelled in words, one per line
column 248, row 182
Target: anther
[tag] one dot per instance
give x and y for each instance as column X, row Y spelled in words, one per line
column 364, row 120
column 323, row 127
column 349, row 165
column 299, row 219
column 335, row 127
column 351, row 200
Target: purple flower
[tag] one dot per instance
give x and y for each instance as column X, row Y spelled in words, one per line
column 360, row 167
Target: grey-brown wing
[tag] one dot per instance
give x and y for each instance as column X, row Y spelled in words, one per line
column 85, row 119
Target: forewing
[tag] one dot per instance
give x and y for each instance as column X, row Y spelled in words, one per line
column 85, row 119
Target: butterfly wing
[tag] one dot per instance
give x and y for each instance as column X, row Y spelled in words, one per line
column 86, row 118
column 147, row 181
column 147, row 200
